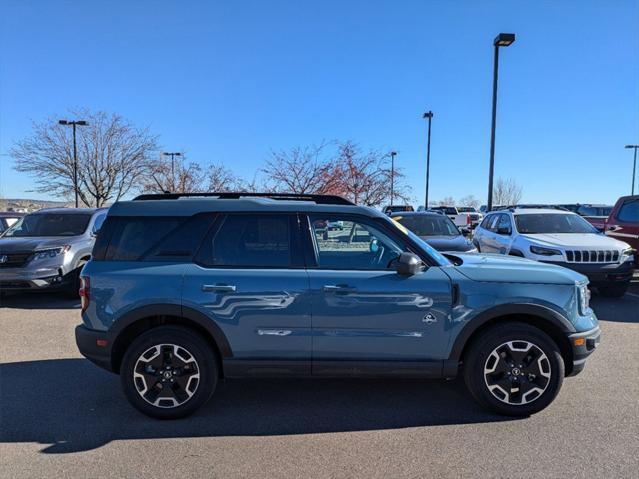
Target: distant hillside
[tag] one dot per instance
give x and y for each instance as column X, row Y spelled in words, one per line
column 28, row 205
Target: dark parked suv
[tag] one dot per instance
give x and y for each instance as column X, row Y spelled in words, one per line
column 182, row 290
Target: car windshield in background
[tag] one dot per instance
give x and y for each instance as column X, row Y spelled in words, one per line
column 466, row 209
column 552, row 223
column 427, row 225
column 54, row 224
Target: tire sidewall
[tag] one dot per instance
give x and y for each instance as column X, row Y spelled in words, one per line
column 494, row 337
column 194, row 344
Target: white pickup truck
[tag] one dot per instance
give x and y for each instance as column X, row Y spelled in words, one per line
column 462, row 220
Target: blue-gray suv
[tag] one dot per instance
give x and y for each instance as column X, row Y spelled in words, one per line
column 182, row 290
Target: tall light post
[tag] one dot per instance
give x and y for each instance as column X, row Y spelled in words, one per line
column 393, row 154
column 429, row 115
column 634, row 167
column 502, row 40
column 172, row 155
column 74, row 123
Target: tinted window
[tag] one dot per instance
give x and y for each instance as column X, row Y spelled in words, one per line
column 429, row 225
column 486, row 221
column 504, row 223
column 553, row 223
column 99, row 220
column 358, row 246
column 252, row 241
column 134, row 236
column 49, row 224
column 629, row 211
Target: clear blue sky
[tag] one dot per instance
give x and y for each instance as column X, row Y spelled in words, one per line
column 229, row 81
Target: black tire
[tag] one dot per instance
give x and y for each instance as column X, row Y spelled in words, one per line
column 538, row 390
column 616, row 290
column 72, row 280
column 201, row 362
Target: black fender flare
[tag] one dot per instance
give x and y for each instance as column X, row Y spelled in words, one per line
column 178, row 311
column 544, row 313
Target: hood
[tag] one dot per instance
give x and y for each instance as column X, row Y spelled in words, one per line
column 12, row 245
column 511, row 269
column 577, row 240
column 448, row 243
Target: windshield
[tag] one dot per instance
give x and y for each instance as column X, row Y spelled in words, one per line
column 553, row 223
column 432, row 252
column 429, row 225
column 50, row 224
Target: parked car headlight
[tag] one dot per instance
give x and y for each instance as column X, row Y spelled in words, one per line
column 628, row 255
column 584, row 299
column 51, row 252
column 540, row 250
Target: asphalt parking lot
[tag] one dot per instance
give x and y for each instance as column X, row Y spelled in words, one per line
column 60, row 416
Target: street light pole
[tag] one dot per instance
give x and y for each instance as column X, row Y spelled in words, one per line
column 392, row 154
column 429, row 115
column 172, row 155
column 502, row 40
column 74, row 123
column 634, row 167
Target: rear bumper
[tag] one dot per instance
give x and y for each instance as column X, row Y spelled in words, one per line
column 583, row 345
column 601, row 273
column 87, row 342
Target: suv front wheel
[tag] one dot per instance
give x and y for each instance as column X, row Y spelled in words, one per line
column 168, row 372
column 514, row 369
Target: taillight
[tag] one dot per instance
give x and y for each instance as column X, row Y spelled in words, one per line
column 468, row 220
column 85, row 292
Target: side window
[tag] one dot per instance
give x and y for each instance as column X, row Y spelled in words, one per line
column 494, row 220
column 486, row 222
column 135, row 236
column 248, row 240
column 355, row 245
column 505, row 223
column 629, row 211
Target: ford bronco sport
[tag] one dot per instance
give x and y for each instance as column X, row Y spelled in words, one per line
column 185, row 289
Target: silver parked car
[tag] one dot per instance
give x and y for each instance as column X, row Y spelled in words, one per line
column 47, row 248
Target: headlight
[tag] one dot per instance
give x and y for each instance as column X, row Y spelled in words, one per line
column 628, row 255
column 51, row 252
column 540, row 250
column 584, row 299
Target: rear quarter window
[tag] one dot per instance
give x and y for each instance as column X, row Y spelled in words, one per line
column 151, row 238
column 629, row 211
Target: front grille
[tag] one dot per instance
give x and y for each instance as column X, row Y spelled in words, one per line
column 14, row 260
column 592, row 256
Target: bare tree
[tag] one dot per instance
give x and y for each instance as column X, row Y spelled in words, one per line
column 222, row 179
column 507, row 192
column 174, row 175
column 365, row 178
column 469, row 200
column 300, row 170
column 447, row 201
column 113, row 157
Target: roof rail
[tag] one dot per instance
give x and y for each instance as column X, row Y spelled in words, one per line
column 319, row 199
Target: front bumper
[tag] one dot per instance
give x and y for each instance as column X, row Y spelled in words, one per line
column 583, row 345
column 88, row 341
column 601, row 273
column 24, row 279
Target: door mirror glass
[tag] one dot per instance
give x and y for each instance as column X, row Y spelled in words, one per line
column 408, row 264
column 503, row 230
column 465, row 231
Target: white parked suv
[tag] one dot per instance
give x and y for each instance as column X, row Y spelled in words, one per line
column 562, row 238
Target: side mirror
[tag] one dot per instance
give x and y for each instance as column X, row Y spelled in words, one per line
column 503, row 231
column 408, row 264
column 465, row 231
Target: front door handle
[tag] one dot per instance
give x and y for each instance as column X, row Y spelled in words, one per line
column 219, row 288
column 338, row 288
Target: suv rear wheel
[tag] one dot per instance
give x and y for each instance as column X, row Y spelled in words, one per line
column 514, row 369
column 168, row 372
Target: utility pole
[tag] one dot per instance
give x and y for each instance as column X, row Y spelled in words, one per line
column 429, row 115
column 172, row 155
column 393, row 154
column 74, row 123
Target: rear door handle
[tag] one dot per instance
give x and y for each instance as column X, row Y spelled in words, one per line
column 219, row 288
column 338, row 288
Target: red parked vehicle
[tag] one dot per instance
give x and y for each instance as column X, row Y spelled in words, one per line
column 623, row 223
